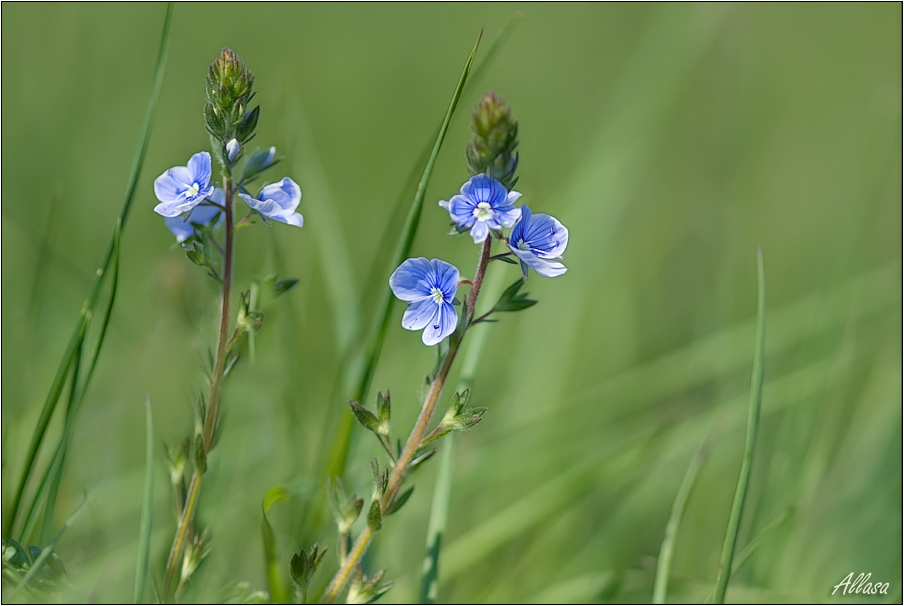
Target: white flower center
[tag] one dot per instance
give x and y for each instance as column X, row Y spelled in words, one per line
column 523, row 245
column 437, row 295
column 192, row 191
column 483, row 212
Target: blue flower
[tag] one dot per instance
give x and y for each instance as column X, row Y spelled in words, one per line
column 183, row 227
column 537, row 240
column 181, row 188
column 429, row 288
column 278, row 201
column 483, row 204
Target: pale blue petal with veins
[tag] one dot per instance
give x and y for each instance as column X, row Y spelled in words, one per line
column 429, row 289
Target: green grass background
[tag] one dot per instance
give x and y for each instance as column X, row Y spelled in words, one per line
column 670, row 139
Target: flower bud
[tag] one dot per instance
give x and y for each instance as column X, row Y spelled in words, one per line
column 229, row 91
column 492, row 149
column 232, row 150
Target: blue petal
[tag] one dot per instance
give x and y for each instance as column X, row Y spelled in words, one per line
column 199, row 168
column 482, row 188
column 419, row 314
column 544, row 267
column 177, row 206
column 183, row 227
column 286, row 194
column 518, row 231
column 480, row 231
column 546, row 236
column 507, row 216
column 445, row 278
column 442, row 325
column 411, row 280
column 461, row 209
column 172, row 183
column 291, row 219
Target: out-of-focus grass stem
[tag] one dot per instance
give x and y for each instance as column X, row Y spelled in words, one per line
column 753, row 418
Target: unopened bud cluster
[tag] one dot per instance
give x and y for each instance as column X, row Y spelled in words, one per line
column 229, row 93
column 492, row 149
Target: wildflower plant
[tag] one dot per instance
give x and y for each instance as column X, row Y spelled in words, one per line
column 204, row 219
column 485, row 207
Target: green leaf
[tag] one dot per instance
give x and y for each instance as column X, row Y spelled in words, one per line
column 275, row 583
column 753, row 418
column 88, row 310
column 365, row 417
column 399, row 501
column 340, row 442
column 374, row 517
column 147, row 508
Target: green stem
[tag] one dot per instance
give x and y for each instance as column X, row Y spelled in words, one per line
column 213, row 402
column 753, row 418
column 416, row 436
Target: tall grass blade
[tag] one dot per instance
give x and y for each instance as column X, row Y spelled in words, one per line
column 147, row 509
column 664, row 562
column 753, row 418
column 111, row 261
column 442, row 491
column 275, row 582
column 340, row 445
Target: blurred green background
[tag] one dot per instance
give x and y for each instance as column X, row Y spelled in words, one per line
column 670, row 139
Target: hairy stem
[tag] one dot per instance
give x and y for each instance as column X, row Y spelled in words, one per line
column 416, row 436
column 213, row 401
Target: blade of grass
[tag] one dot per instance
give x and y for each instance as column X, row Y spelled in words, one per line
column 442, row 491
column 111, row 259
column 275, row 582
column 753, row 417
column 664, row 562
column 76, row 396
column 341, row 441
column 147, row 509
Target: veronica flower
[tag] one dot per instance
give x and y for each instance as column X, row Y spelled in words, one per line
column 181, row 188
column 429, row 288
column 278, row 201
column 183, row 227
column 483, row 204
column 537, row 240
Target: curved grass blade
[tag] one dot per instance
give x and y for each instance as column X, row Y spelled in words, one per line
column 339, row 451
column 147, row 509
column 753, row 418
column 110, row 261
column 664, row 562
column 275, row 582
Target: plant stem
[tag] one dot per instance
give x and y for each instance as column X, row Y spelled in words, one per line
column 213, row 401
column 416, row 436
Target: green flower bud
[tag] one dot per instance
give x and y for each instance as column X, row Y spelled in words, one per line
column 492, row 149
column 229, row 91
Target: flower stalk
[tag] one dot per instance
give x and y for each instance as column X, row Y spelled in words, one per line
column 213, row 401
column 416, row 438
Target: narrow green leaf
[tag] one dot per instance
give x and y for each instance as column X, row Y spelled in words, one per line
column 78, row 335
column 147, row 509
column 400, row 501
column 664, row 562
column 341, row 441
column 275, row 582
column 753, row 418
column 442, row 491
